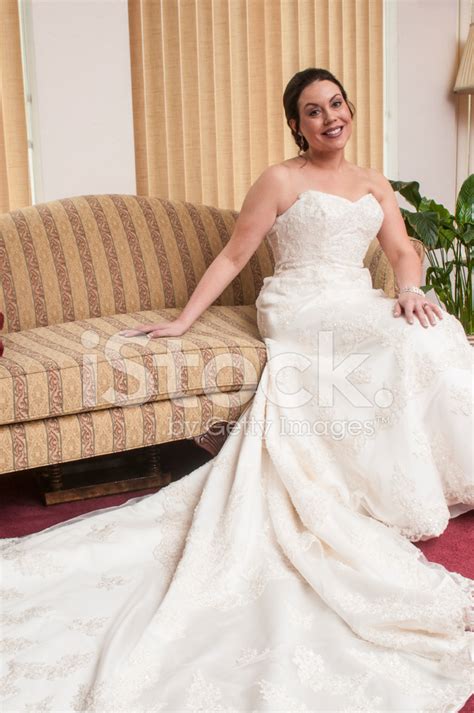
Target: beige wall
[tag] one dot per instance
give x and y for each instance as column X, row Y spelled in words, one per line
column 427, row 120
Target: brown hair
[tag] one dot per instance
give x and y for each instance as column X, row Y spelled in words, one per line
column 292, row 93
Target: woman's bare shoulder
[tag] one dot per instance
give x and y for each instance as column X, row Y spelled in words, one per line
column 279, row 176
column 380, row 185
column 372, row 180
column 276, row 183
column 277, row 171
column 287, row 165
column 274, row 179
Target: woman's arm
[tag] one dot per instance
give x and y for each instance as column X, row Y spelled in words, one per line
column 401, row 254
column 256, row 217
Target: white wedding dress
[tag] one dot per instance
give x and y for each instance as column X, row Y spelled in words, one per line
column 280, row 575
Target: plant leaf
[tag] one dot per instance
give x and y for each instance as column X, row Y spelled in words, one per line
column 446, row 237
column 465, row 202
column 410, row 190
column 468, row 236
column 428, row 204
column 425, row 225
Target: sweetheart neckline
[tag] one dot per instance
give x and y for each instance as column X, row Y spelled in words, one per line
column 324, row 193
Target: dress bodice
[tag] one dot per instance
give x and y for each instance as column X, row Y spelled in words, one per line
column 325, row 229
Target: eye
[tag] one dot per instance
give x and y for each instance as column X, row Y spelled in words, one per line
column 338, row 102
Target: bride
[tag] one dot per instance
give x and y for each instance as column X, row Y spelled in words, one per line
column 281, row 575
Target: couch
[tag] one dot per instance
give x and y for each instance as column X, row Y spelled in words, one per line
column 76, row 271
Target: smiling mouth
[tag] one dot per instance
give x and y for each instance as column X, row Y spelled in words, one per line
column 334, row 132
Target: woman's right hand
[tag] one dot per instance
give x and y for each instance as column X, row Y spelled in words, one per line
column 175, row 328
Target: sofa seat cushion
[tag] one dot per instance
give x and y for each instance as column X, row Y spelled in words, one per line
column 85, row 365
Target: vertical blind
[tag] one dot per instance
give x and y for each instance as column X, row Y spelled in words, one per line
column 208, row 78
column 14, row 175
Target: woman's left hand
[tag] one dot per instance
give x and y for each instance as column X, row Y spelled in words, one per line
column 411, row 303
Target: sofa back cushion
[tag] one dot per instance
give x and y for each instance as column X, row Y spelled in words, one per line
column 99, row 255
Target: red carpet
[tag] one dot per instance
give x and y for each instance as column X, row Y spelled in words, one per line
column 22, row 512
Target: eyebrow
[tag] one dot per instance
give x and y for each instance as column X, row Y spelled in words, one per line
column 313, row 104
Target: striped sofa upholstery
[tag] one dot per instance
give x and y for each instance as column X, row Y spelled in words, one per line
column 76, row 271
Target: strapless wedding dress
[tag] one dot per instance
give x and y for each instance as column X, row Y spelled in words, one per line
column 281, row 575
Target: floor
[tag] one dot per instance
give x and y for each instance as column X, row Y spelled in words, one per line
column 22, row 512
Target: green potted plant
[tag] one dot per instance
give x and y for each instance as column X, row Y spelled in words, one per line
column 449, row 245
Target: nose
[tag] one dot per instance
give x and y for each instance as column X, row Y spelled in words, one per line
column 328, row 119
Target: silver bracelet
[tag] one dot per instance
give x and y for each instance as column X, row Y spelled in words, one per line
column 412, row 288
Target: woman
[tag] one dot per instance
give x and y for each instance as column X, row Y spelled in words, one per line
column 281, row 574
column 315, row 105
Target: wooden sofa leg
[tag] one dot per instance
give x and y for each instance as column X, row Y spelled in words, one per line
column 213, row 439
column 156, row 471
column 54, row 476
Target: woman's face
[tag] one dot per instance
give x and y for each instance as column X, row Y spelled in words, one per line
column 321, row 108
